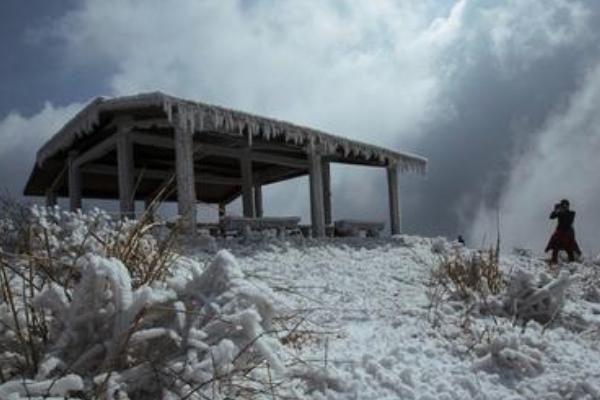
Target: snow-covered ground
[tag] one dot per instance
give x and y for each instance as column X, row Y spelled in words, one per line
column 376, row 336
column 329, row 319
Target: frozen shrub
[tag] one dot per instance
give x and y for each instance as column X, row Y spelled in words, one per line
column 59, row 239
column 509, row 353
column 186, row 338
column 14, row 222
column 438, row 246
column 463, row 275
column 90, row 306
column 527, row 298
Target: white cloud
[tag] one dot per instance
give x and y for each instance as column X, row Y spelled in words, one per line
column 21, row 137
column 522, row 32
column 364, row 69
column 17, row 131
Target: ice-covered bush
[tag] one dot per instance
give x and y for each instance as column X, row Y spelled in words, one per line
column 510, row 353
column 14, row 221
column 188, row 337
column 61, row 238
column 528, row 298
column 90, row 306
column 439, row 245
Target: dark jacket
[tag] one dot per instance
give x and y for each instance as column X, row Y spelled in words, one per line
column 565, row 219
column 563, row 237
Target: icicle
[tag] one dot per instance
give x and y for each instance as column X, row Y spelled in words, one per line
column 190, row 116
column 228, row 122
column 255, row 126
column 168, row 109
column 201, row 115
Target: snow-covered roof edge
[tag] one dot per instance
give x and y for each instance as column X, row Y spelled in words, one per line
column 200, row 116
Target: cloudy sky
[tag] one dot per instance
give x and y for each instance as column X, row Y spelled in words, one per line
column 501, row 96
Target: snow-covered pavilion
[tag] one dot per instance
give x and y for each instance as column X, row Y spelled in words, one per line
column 125, row 148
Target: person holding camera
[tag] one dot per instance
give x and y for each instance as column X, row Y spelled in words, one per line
column 563, row 237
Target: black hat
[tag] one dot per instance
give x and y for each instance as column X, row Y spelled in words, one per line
column 564, row 202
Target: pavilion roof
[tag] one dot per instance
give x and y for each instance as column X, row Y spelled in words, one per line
column 153, row 117
column 202, row 116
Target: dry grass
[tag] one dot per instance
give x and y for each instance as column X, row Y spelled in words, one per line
column 463, row 282
column 463, row 276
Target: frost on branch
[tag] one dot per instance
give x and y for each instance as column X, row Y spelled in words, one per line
column 88, row 321
column 18, row 389
column 527, row 298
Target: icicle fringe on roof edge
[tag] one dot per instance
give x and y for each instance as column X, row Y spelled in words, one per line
column 197, row 116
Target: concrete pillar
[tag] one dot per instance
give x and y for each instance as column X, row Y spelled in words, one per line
column 184, row 168
column 327, row 192
column 258, row 201
column 74, row 183
column 315, row 171
column 247, row 192
column 125, row 165
column 394, row 200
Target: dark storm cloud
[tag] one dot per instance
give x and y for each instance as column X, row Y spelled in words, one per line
column 495, row 117
column 500, row 102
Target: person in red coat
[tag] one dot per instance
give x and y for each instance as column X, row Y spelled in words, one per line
column 563, row 237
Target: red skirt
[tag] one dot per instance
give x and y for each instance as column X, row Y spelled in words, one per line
column 563, row 240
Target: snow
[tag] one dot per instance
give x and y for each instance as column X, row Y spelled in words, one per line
column 366, row 299
column 351, row 318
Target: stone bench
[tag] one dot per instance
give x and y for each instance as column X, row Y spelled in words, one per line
column 240, row 225
column 350, row 227
column 306, row 230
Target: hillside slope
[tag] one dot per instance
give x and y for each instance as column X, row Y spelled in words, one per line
column 377, row 336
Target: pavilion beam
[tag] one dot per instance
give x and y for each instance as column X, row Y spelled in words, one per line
column 230, row 152
column 126, row 173
column 394, row 200
column 266, row 178
column 254, row 156
column 97, row 151
column 326, row 166
column 140, row 173
column 315, row 170
column 184, row 170
column 247, row 186
column 74, row 183
column 258, row 200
